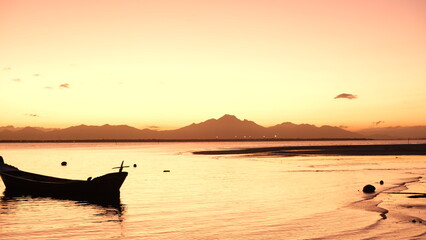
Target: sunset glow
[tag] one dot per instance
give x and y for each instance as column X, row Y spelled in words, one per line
column 167, row 64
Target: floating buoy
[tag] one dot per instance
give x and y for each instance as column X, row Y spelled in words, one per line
column 166, row 170
column 381, row 182
column 135, row 165
column 63, row 163
column 369, row 189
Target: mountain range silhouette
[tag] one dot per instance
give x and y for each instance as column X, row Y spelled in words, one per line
column 228, row 127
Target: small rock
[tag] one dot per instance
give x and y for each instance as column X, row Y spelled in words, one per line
column 369, row 189
column 414, row 221
column 135, row 165
column 166, row 170
column 381, row 182
column 63, row 163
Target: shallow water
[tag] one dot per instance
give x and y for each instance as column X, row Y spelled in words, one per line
column 217, row 197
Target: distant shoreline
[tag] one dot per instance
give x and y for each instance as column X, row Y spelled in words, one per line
column 336, row 150
column 208, row 140
column 197, row 140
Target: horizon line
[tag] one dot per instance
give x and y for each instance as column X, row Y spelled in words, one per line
column 200, row 140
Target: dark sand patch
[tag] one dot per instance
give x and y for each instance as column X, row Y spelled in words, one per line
column 340, row 150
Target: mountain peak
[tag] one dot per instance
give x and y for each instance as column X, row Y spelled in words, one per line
column 229, row 117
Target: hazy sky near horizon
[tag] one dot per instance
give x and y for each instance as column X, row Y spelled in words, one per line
column 170, row 63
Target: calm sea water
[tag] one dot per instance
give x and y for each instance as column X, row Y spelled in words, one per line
column 218, row 197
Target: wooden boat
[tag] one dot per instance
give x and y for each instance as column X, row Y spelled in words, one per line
column 20, row 182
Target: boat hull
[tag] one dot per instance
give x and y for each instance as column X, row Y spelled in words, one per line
column 20, row 182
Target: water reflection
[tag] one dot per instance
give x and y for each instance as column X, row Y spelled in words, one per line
column 109, row 206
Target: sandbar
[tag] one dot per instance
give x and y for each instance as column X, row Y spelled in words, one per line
column 333, row 150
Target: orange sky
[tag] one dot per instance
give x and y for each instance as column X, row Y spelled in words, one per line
column 171, row 63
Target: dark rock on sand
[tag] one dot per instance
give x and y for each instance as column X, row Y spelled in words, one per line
column 420, row 195
column 63, row 163
column 381, row 182
column 369, row 189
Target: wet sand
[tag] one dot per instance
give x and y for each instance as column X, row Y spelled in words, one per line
column 340, row 150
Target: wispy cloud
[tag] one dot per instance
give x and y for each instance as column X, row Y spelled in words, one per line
column 31, row 115
column 37, row 75
column 7, row 68
column 153, row 127
column 64, row 85
column 346, row 95
column 16, row 79
column 378, row 123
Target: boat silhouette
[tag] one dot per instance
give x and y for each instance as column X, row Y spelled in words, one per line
column 19, row 182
